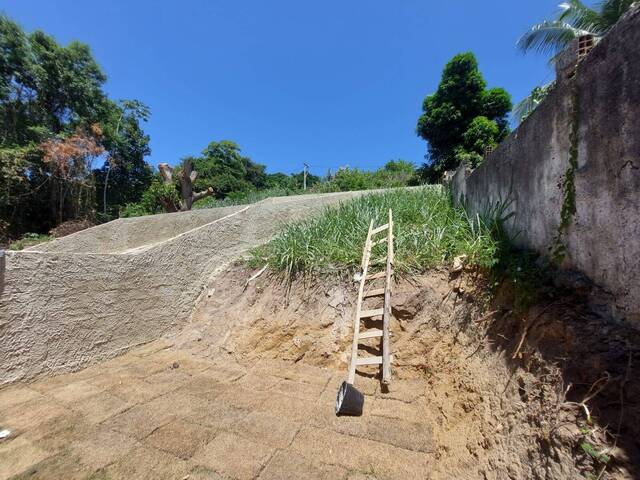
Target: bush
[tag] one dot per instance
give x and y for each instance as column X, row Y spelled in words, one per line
column 151, row 202
column 29, row 240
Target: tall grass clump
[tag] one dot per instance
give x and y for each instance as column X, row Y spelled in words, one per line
column 428, row 230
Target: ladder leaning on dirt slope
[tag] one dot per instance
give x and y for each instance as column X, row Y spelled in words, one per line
column 349, row 400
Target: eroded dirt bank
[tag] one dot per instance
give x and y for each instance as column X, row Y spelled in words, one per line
column 503, row 390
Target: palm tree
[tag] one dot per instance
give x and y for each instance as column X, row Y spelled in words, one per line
column 575, row 20
column 553, row 36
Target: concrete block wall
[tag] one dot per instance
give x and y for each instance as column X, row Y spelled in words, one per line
column 601, row 104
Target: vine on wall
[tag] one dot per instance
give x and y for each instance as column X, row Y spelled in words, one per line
column 568, row 209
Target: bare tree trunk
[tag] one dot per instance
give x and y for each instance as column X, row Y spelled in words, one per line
column 186, row 178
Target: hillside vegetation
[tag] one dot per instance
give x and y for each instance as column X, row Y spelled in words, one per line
column 428, row 230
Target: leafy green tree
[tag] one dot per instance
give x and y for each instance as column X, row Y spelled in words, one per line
column 125, row 174
column 223, row 167
column 450, row 112
column 574, row 20
column 49, row 93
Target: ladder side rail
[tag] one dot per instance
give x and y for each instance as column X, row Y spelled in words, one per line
column 356, row 322
column 386, row 318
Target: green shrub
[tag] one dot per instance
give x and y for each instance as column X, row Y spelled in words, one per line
column 29, row 240
column 151, row 200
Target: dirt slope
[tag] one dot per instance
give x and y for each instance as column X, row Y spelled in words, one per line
column 501, row 390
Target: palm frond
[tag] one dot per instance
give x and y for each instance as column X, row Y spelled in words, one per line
column 549, row 37
column 527, row 105
column 581, row 17
column 612, row 10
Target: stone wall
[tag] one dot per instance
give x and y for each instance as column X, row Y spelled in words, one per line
column 62, row 309
column 594, row 111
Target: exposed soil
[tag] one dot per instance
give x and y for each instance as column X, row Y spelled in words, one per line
column 504, row 389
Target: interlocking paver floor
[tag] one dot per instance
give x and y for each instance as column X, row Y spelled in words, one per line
column 160, row 412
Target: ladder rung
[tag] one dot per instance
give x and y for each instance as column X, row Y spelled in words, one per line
column 371, row 313
column 372, row 360
column 374, row 292
column 381, row 228
column 370, row 333
column 376, row 275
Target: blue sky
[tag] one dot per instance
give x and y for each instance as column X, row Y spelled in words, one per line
column 328, row 83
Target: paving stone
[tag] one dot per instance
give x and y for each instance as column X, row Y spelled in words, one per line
column 180, row 438
column 136, row 390
column 296, row 409
column 16, row 395
column 219, row 416
column 62, row 466
column 45, row 385
column 381, row 460
column 243, row 398
column 119, row 361
column 57, row 433
column 18, row 455
column 141, row 368
column 145, row 463
column 274, row 431
column 290, row 466
column 101, row 447
column 139, row 421
column 262, row 383
column 205, row 385
column 169, row 377
column 113, row 378
column 234, row 456
column 200, row 472
column 181, row 359
column 394, row 431
column 98, row 408
column 388, row 407
column 30, row 414
column 292, row 371
column 75, row 391
column 180, row 403
column 299, row 389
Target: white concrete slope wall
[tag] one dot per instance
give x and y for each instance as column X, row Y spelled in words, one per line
column 60, row 311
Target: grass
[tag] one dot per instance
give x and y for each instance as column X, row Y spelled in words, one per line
column 428, row 230
column 28, row 240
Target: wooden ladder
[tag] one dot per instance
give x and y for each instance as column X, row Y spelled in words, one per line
column 385, row 312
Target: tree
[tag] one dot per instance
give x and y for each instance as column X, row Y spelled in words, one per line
column 574, row 20
column 226, row 170
column 128, row 145
column 49, row 96
column 70, row 160
column 450, row 112
column 185, row 177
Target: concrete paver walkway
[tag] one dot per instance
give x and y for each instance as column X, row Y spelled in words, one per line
column 160, row 412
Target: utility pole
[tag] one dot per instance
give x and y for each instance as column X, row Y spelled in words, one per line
column 304, row 176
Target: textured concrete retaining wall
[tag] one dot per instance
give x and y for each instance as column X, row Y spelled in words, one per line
column 125, row 234
column 602, row 102
column 60, row 311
